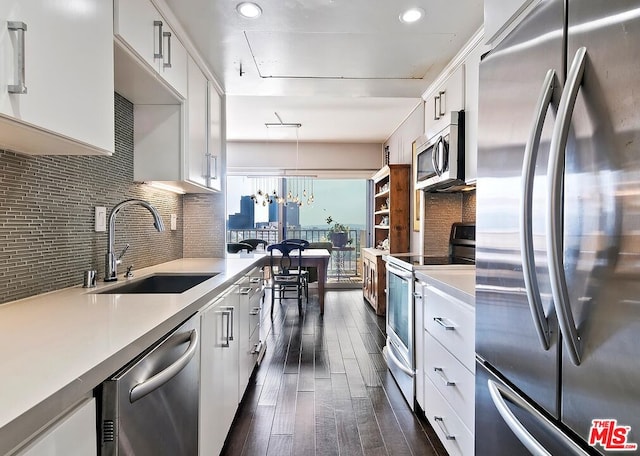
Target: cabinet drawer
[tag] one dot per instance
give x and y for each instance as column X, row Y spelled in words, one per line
column 454, row 435
column 451, row 378
column 452, row 323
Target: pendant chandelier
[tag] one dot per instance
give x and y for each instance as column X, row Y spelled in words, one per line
column 299, row 188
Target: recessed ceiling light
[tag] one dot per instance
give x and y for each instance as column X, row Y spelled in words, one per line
column 249, row 10
column 412, row 15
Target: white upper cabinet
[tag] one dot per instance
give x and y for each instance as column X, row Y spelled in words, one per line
column 439, row 103
column 472, row 88
column 197, row 124
column 56, row 71
column 216, row 148
column 145, row 32
column 499, row 15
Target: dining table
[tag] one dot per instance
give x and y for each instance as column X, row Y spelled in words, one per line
column 318, row 258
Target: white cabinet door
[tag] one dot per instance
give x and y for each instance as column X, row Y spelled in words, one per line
column 499, row 14
column 146, row 33
column 446, row 98
column 73, row 434
column 197, row 124
column 219, row 394
column 68, row 76
column 216, row 146
column 472, row 87
column 173, row 65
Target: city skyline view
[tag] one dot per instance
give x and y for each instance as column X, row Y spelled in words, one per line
column 344, row 200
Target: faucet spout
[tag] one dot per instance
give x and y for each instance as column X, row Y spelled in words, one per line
column 111, row 262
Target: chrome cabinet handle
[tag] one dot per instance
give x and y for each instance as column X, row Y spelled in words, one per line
column 436, row 110
column 20, row 86
column 166, row 64
column 255, row 280
column 159, row 54
column 555, row 171
column 245, row 290
column 442, row 102
column 226, row 313
column 440, row 372
column 257, row 348
column 231, row 312
column 143, row 388
column 417, row 295
column 443, row 428
column 500, row 394
column 526, row 229
column 255, row 311
column 213, row 166
column 444, row 324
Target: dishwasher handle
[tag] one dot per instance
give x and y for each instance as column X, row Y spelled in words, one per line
column 143, row 388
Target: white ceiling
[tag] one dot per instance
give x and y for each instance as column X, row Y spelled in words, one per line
column 347, row 70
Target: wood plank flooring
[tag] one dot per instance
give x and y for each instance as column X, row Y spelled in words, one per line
column 323, row 388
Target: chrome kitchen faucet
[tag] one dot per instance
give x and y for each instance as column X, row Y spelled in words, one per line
column 111, row 262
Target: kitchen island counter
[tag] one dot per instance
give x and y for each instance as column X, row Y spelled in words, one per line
column 57, row 347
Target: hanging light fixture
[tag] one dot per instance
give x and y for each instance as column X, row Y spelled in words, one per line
column 297, row 191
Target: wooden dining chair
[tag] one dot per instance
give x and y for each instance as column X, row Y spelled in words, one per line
column 285, row 266
column 303, row 271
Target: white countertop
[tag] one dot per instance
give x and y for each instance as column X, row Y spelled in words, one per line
column 56, row 347
column 460, row 283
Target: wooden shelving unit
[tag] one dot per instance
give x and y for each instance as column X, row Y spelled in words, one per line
column 391, row 220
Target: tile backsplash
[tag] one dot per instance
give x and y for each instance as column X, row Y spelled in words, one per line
column 47, row 236
column 440, row 212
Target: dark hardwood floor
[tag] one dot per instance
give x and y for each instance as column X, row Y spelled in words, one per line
column 323, row 388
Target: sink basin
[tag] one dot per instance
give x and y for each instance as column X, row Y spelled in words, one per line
column 161, row 283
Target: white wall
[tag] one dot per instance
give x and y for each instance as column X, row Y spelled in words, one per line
column 400, row 142
column 321, row 159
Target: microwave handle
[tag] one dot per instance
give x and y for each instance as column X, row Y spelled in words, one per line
column 435, row 155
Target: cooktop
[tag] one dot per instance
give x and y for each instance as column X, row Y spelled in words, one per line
column 415, row 259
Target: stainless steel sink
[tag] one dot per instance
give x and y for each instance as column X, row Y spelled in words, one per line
column 160, row 283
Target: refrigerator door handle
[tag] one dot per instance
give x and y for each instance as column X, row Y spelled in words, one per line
column 526, row 229
column 555, row 173
column 500, row 394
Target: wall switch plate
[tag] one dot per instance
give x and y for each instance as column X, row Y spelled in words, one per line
column 101, row 219
column 174, row 222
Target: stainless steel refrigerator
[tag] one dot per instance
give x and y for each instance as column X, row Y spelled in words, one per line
column 558, row 234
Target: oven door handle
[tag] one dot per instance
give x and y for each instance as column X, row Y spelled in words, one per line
column 388, row 354
column 399, row 271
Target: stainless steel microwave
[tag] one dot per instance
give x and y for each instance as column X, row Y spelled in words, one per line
column 439, row 160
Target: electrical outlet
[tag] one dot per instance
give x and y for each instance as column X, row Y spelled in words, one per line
column 101, row 219
column 174, row 222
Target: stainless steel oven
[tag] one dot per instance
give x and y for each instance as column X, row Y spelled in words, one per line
column 439, row 160
column 400, row 315
column 401, row 309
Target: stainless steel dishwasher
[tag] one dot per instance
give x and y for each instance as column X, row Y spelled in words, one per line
column 150, row 407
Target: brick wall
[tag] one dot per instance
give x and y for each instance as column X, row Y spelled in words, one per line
column 204, row 225
column 47, row 236
column 441, row 211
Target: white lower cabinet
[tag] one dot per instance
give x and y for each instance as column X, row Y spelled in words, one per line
column 447, row 367
column 72, row 434
column 219, row 372
column 454, row 435
column 251, row 292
